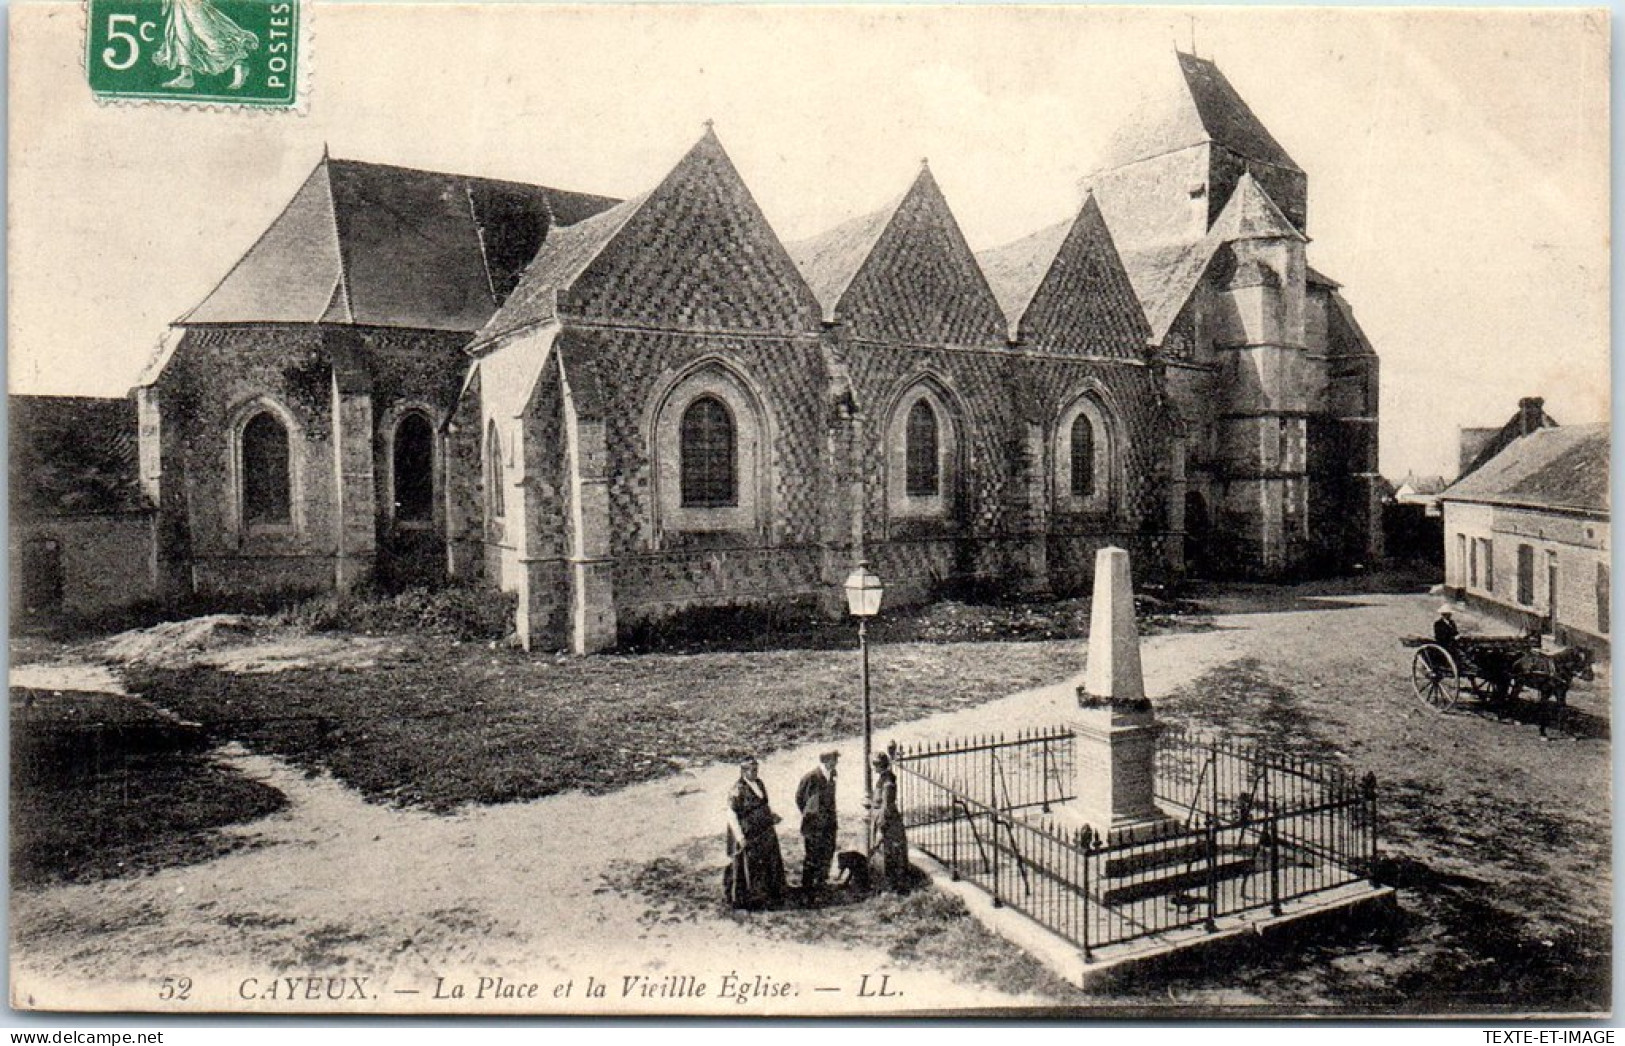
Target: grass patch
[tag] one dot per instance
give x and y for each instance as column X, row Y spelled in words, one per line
column 962, row 620
column 114, row 795
column 925, row 927
column 450, row 723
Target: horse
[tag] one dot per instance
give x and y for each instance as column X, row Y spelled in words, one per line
column 1551, row 676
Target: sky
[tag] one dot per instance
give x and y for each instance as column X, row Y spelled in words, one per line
column 1457, row 160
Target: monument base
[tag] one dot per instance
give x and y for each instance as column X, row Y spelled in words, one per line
column 1121, row 831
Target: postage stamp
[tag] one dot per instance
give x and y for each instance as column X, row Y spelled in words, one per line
column 231, row 52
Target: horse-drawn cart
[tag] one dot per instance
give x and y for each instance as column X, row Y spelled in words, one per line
column 1494, row 669
column 1486, row 665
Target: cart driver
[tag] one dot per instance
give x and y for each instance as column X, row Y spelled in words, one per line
column 1445, row 629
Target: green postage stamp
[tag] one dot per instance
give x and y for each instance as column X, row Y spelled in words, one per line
column 214, row 52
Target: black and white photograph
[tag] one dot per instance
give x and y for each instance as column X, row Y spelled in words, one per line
column 783, row 511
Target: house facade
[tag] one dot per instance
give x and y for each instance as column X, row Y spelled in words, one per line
column 82, row 533
column 623, row 410
column 1527, row 535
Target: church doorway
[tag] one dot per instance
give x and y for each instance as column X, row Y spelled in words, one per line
column 1196, row 534
column 413, row 550
column 42, row 576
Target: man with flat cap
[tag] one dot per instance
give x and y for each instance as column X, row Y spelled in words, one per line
column 815, row 798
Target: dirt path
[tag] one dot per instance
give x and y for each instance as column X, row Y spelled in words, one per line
column 334, row 886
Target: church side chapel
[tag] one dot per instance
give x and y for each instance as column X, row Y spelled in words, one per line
column 623, row 410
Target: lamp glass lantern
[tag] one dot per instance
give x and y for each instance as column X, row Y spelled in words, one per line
column 863, row 592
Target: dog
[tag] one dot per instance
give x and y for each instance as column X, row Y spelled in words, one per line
column 852, row 870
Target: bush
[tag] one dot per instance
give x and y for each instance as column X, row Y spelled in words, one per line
column 457, row 612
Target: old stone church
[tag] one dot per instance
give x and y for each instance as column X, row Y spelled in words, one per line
column 619, row 410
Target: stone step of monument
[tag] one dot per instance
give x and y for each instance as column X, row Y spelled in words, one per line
column 1178, row 880
column 1154, row 857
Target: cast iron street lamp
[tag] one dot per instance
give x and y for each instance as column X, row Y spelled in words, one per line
column 863, row 594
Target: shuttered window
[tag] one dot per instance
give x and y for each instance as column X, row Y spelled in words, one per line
column 1526, row 575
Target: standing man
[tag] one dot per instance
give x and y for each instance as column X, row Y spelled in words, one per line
column 815, row 798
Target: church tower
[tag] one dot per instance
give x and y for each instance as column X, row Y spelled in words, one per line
column 1168, row 174
column 1212, row 216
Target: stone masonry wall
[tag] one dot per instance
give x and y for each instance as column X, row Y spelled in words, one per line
column 659, row 569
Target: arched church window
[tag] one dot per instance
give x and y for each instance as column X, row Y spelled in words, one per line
column 494, row 482
column 1083, row 457
column 414, row 469
column 923, row 459
column 267, row 486
column 1087, row 453
column 707, row 448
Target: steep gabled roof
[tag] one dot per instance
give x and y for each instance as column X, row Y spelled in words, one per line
column 556, row 266
column 1016, row 270
column 1165, row 277
column 1067, row 286
column 74, row 456
column 903, row 272
column 1199, row 107
column 375, row 245
column 1558, row 468
column 830, row 260
column 694, row 251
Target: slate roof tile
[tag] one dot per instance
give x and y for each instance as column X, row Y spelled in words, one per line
column 1554, row 468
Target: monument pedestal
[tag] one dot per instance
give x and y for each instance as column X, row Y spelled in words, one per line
column 1115, row 768
column 1114, row 772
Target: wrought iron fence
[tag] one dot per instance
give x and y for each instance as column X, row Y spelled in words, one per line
column 1246, row 831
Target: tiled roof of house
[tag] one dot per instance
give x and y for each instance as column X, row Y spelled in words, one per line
column 369, row 244
column 74, row 456
column 1487, row 443
column 1201, row 106
column 1553, row 468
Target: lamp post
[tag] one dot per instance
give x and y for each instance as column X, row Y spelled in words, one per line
column 863, row 594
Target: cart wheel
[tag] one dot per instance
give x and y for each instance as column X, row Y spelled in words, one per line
column 1435, row 678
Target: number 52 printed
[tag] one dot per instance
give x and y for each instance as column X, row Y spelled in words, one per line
column 236, row 52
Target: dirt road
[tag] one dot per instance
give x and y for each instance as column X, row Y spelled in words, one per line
column 404, row 908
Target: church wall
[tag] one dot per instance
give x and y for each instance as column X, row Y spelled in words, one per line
column 544, row 503
column 918, row 556
column 337, row 532
column 1137, row 519
column 661, row 563
column 410, row 370
column 215, row 373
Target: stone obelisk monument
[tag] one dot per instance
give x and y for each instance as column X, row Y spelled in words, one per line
column 1115, row 725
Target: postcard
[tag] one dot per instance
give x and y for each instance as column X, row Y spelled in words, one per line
column 797, row 511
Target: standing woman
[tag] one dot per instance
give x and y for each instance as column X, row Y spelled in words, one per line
column 889, row 826
column 755, row 876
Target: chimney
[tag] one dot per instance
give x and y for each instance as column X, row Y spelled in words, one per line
column 1531, row 412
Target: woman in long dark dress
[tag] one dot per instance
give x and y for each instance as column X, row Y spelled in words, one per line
column 755, row 876
column 888, row 819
